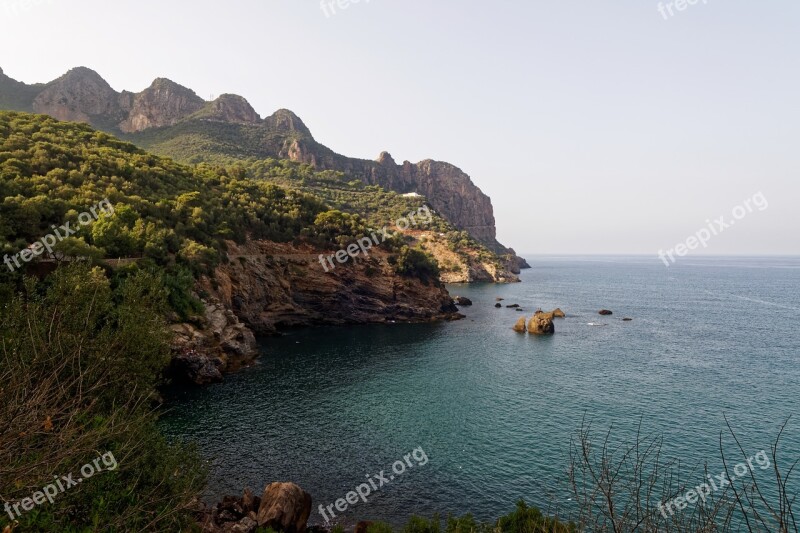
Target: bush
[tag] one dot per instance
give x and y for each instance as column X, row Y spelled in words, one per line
column 80, row 364
column 415, row 263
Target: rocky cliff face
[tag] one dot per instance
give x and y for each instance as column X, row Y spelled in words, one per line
column 267, row 286
column 82, row 95
column 164, row 103
column 270, row 286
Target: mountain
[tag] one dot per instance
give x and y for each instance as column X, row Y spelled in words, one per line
column 172, row 120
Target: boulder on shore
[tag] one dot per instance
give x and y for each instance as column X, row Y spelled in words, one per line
column 541, row 325
column 284, row 507
column 519, row 327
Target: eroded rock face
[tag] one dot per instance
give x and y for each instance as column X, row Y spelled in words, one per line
column 80, row 95
column 231, row 108
column 270, row 286
column 284, row 507
column 218, row 343
column 164, row 103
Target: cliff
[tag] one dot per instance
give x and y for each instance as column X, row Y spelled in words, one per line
column 271, row 286
column 169, row 119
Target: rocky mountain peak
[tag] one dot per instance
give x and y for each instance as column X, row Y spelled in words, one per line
column 385, row 159
column 80, row 95
column 231, row 108
column 285, row 121
column 164, row 103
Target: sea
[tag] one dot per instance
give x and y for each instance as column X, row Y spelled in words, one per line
column 479, row 416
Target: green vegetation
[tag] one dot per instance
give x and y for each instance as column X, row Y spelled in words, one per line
column 82, row 355
column 51, row 171
column 523, row 519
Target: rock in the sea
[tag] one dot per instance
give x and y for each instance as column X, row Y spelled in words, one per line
column 462, row 300
column 605, row 312
column 627, row 320
column 541, row 325
column 512, row 306
column 499, row 299
column 519, row 327
column 284, row 507
column 556, row 313
column 498, row 305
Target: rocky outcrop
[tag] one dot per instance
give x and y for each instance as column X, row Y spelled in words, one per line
column 519, row 327
column 164, row 103
column 556, row 313
column 212, row 345
column 230, row 108
column 270, row 286
column 541, row 325
column 284, row 507
column 80, row 95
column 462, row 301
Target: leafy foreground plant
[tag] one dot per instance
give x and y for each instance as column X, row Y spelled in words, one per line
column 79, row 362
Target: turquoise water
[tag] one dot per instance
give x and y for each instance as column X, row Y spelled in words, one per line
column 493, row 410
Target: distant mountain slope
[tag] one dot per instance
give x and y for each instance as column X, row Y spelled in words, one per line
column 169, row 119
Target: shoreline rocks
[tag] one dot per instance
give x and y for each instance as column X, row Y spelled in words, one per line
column 282, row 507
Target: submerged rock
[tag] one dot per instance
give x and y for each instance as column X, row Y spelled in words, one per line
column 512, row 306
column 499, row 306
column 606, row 312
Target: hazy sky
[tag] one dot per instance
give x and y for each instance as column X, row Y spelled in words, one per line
column 596, row 126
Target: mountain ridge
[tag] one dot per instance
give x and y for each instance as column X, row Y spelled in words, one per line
column 170, row 119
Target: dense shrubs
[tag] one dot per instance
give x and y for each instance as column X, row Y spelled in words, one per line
column 82, row 356
column 412, row 262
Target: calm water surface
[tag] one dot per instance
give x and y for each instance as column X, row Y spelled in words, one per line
column 495, row 410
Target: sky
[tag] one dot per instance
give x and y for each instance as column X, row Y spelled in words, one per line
column 596, row 126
